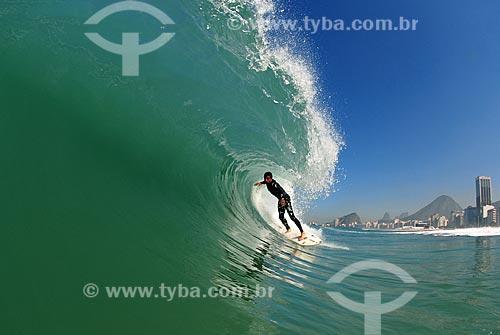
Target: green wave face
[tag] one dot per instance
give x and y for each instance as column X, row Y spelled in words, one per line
column 142, row 180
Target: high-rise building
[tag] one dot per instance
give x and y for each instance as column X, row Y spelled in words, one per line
column 471, row 216
column 492, row 218
column 483, row 191
column 457, row 219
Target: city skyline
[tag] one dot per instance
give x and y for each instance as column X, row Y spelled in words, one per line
column 441, row 213
column 472, row 202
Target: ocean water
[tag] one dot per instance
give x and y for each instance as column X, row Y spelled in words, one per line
column 138, row 181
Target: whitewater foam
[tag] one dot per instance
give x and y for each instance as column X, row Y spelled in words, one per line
column 316, row 176
column 474, row 232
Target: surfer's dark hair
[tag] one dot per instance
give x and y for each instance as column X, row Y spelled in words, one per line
column 268, row 174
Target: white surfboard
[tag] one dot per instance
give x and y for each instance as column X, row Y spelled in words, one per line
column 310, row 239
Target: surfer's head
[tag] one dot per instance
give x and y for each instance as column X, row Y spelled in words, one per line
column 268, row 177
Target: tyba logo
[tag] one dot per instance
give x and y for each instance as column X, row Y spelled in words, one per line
column 130, row 49
column 373, row 308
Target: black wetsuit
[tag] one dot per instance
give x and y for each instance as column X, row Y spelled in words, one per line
column 280, row 193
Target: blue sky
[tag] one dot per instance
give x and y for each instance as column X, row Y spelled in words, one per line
column 420, row 111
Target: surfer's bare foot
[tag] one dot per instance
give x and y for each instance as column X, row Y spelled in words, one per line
column 302, row 236
column 288, row 231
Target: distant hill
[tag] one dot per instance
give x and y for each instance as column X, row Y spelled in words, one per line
column 350, row 218
column 496, row 204
column 443, row 205
column 386, row 218
column 403, row 215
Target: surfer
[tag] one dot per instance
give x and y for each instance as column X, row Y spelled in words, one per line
column 284, row 202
